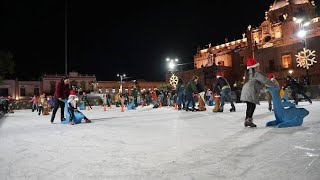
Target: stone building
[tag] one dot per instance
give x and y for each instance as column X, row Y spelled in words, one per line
column 88, row 83
column 85, row 82
column 19, row 89
column 274, row 43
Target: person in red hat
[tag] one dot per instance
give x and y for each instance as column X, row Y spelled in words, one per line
column 224, row 88
column 268, row 94
column 72, row 107
column 254, row 82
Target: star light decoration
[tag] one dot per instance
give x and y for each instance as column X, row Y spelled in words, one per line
column 174, row 80
column 306, row 58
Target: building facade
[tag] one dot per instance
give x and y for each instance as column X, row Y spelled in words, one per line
column 19, row 89
column 274, row 44
column 87, row 83
column 127, row 86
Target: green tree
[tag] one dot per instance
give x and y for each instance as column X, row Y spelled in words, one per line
column 7, row 64
column 165, row 87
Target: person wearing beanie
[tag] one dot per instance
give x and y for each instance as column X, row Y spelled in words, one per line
column 268, row 94
column 224, row 88
column 254, row 82
column 72, row 107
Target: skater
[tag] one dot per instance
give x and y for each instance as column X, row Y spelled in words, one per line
column 223, row 86
column 268, row 94
column 181, row 94
column 104, row 100
column 296, row 89
column 134, row 93
column 10, row 101
column 61, row 93
column 34, row 101
column 72, row 107
column 191, row 89
column 41, row 101
column 85, row 100
column 254, row 82
column 209, row 97
column 154, row 99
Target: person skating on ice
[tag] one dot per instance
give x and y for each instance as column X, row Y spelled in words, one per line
column 268, row 94
column 254, row 82
column 72, row 107
column 223, row 86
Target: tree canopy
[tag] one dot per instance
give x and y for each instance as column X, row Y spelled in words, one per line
column 7, row 64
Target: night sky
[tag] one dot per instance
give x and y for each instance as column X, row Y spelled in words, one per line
column 110, row 37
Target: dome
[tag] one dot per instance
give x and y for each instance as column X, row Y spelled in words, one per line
column 281, row 3
column 298, row 1
column 278, row 4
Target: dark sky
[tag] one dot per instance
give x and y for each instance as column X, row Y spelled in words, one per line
column 110, row 37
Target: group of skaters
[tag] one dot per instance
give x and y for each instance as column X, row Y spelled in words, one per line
column 6, row 104
column 41, row 104
column 63, row 94
column 183, row 97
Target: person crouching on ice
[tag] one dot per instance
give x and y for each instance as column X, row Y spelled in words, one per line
column 72, row 107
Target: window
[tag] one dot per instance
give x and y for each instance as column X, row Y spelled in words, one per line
column 221, row 63
column 22, row 91
column 272, row 66
column 52, row 87
column 281, row 18
column 243, row 61
column 286, row 61
column 4, row 91
column 36, row 91
column 113, row 90
column 267, row 38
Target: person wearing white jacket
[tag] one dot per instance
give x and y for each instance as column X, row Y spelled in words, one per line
column 72, row 107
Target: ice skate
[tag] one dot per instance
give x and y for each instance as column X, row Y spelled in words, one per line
column 248, row 122
column 233, row 109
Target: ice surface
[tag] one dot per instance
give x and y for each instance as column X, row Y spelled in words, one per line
column 159, row 144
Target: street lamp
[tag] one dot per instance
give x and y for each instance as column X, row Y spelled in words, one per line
column 302, row 33
column 306, row 57
column 122, row 77
column 290, row 72
column 172, row 63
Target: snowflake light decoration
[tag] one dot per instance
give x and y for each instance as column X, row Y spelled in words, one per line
column 306, row 58
column 174, row 80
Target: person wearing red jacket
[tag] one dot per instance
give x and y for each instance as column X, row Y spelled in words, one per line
column 61, row 93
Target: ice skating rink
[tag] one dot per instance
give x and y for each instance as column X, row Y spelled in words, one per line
column 159, row 143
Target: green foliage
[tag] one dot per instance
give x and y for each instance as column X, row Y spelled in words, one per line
column 7, row 64
column 165, row 87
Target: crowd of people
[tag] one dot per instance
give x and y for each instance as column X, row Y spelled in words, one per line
column 183, row 97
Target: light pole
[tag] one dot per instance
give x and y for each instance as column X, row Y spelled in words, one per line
column 172, row 63
column 302, row 34
column 122, row 77
column 290, row 72
column 66, row 38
